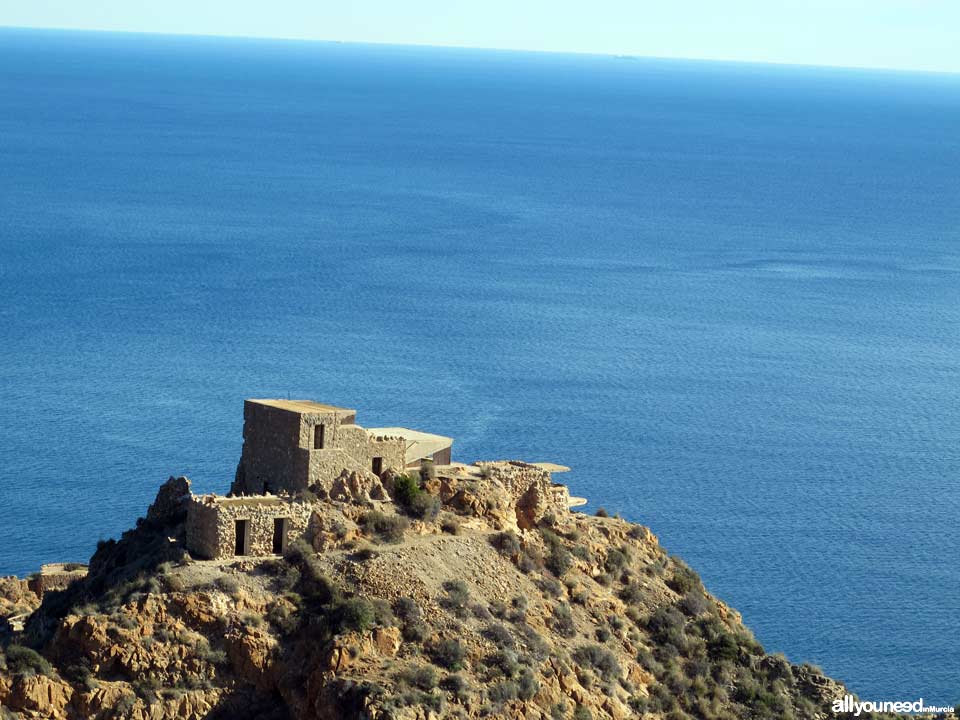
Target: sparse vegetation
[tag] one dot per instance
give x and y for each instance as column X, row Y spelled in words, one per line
column 456, row 598
column 506, row 543
column 414, row 500
column 387, row 528
column 465, row 653
column 26, row 661
column 447, row 653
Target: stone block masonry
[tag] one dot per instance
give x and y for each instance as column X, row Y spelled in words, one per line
column 297, row 451
column 293, row 445
column 219, row 527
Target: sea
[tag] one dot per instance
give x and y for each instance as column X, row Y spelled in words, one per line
column 727, row 296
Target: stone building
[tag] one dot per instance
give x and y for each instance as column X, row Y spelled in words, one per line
column 220, row 526
column 292, row 445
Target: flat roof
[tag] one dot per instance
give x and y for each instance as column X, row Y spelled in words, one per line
column 302, row 407
column 419, row 444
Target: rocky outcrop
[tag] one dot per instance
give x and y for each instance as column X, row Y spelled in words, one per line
column 504, row 604
column 357, row 487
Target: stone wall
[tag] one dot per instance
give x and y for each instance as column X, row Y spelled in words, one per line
column 271, row 438
column 55, row 576
column 279, row 454
column 211, row 523
column 355, row 450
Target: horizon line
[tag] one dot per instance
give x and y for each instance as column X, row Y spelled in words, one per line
column 440, row 46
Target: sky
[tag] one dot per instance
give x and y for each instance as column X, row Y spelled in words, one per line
column 901, row 34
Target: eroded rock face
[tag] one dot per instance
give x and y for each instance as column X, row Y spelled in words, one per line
column 47, row 697
column 171, row 503
column 16, row 597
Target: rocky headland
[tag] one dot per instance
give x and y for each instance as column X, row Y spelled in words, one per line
column 458, row 598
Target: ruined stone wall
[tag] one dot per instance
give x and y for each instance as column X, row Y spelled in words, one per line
column 55, row 576
column 202, row 528
column 211, row 524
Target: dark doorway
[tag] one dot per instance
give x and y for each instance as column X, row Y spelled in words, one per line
column 243, row 538
column 279, row 535
column 377, row 466
column 318, row 437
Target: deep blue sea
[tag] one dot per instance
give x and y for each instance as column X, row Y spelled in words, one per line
column 728, row 296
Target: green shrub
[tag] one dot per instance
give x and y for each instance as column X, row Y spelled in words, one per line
column 480, row 612
column 498, row 609
column 405, row 488
column 582, row 712
column 354, row 614
column 562, row 621
column 518, row 609
column 423, row 506
column 214, row 657
column 313, row 583
column 529, row 561
column 693, row 604
column 551, row 586
column 527, row 684
column 457, row 597
column 683, row 579
column 408, row 494
column 388, row 528
column 600, row 659
column 406, row 609
column 632, row 593
column 502, row 692
column 447, row 653
column 723, row 648
column 421, row 676
column 582, row 552
column 26, row 662
column 500, row 636
column 364, row 553
column 602, row 512
column 251, row 620
column 504, row 662
column 558, row 560
column 450, row 525
column 456, row 686
column 415, row 631
column 506, row 543
column 616, row 560
column 664, row 621
column 229, row 585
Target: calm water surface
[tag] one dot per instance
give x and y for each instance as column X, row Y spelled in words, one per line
column 727, row 295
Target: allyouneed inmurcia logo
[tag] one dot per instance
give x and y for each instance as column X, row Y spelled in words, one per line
column 849, row 705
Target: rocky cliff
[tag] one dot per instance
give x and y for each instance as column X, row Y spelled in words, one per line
column 461, row 600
